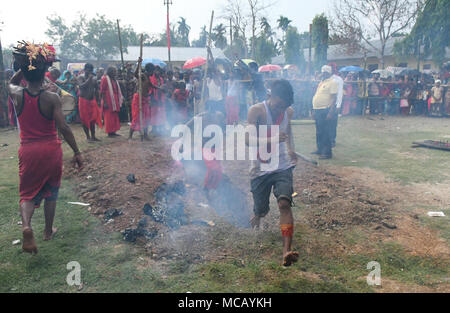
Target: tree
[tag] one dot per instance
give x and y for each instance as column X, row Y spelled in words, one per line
column 95, row 38
column 219, row 36
column 256, row 7
column 184, row 30
column 293, row 51
column 359, row 21
column 283, row 24
column 430, row 34
column 320, row 40
column 265, row 49
column 234, row 11
column 202, row 41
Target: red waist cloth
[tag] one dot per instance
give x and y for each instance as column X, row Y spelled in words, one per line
column 89, row 112
column 213, row 169
column 111, row 119
column 40, row 168
column 136, row 123
column 232, row 110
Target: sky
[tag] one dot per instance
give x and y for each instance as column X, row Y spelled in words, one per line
column 27, row 20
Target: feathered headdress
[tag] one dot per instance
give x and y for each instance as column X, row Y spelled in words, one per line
column 39, row 53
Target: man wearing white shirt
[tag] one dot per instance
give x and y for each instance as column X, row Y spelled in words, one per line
column 340, row 94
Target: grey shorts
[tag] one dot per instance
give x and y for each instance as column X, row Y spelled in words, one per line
column 261, row 187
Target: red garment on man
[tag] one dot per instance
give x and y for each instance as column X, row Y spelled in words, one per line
column 40, row 153
column 89, row 112
column 180, row 98
column 158, row 108
column 136, row 122
column 111, row 117
column 232, row 109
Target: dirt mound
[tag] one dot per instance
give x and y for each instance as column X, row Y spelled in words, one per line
column 333, row 203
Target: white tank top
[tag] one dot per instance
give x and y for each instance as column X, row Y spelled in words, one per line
column 284, row 159
column 215, row 92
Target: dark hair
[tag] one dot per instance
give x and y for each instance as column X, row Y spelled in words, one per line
column 181, row 85
column 283, row 89
column 88, row 66
column 149, row 68
column 110, row 70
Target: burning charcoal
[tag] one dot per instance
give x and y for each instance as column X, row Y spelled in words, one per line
column 143, row 222
column 131, row 178
column 130, row 235
column 151, row 234
column 179, row 188
column 111, row 214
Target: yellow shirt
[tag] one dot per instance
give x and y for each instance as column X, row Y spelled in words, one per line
column 324, row 94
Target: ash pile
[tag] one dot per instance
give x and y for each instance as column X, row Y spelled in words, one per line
column 168, row 211
column 169, row 208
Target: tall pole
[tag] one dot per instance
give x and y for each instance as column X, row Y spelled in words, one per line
column 231, row 33
column 140, row 88
column 310, row 49
column 168, row 3
column 120, row 42
column 202, row 101
column 3, row 96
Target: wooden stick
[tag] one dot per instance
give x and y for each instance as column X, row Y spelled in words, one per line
column 202, row 101
column 140, row 89
column 120, row 42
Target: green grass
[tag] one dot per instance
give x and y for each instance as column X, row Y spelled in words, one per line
column 385, row 146
column 111, row 265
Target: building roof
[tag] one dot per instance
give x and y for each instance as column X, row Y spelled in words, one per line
column 177, row 54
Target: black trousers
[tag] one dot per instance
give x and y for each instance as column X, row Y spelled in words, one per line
column 323, row 132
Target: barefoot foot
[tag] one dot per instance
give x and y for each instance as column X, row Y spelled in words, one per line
column 49, row 236
column 255, row 222
column 289, row 258
column 29, row 245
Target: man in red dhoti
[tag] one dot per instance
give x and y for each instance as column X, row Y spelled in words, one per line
column 87, row 103
column 135, row 110
column 158, row 109
column 40, row 155
column 112, row 100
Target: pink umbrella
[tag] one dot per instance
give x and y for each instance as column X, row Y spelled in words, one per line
column 195, row 62
column 270, row 68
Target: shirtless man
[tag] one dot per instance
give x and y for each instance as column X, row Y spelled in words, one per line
column 39, row 114
column 88, row 107
column 145, row 104
column 276, row 110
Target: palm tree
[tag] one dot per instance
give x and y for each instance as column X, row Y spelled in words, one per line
column 184, row 30
column 265, row 26
column 283, row 23
column 220, row 40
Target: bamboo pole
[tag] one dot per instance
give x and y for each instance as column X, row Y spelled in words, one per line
column 202, row 101
column 140, row 89
column 120, row 42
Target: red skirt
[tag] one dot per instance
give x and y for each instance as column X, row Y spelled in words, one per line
column 89, row 112
column 112, row 122
column 232, row 110
column 40, row 170
column 135, row 123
